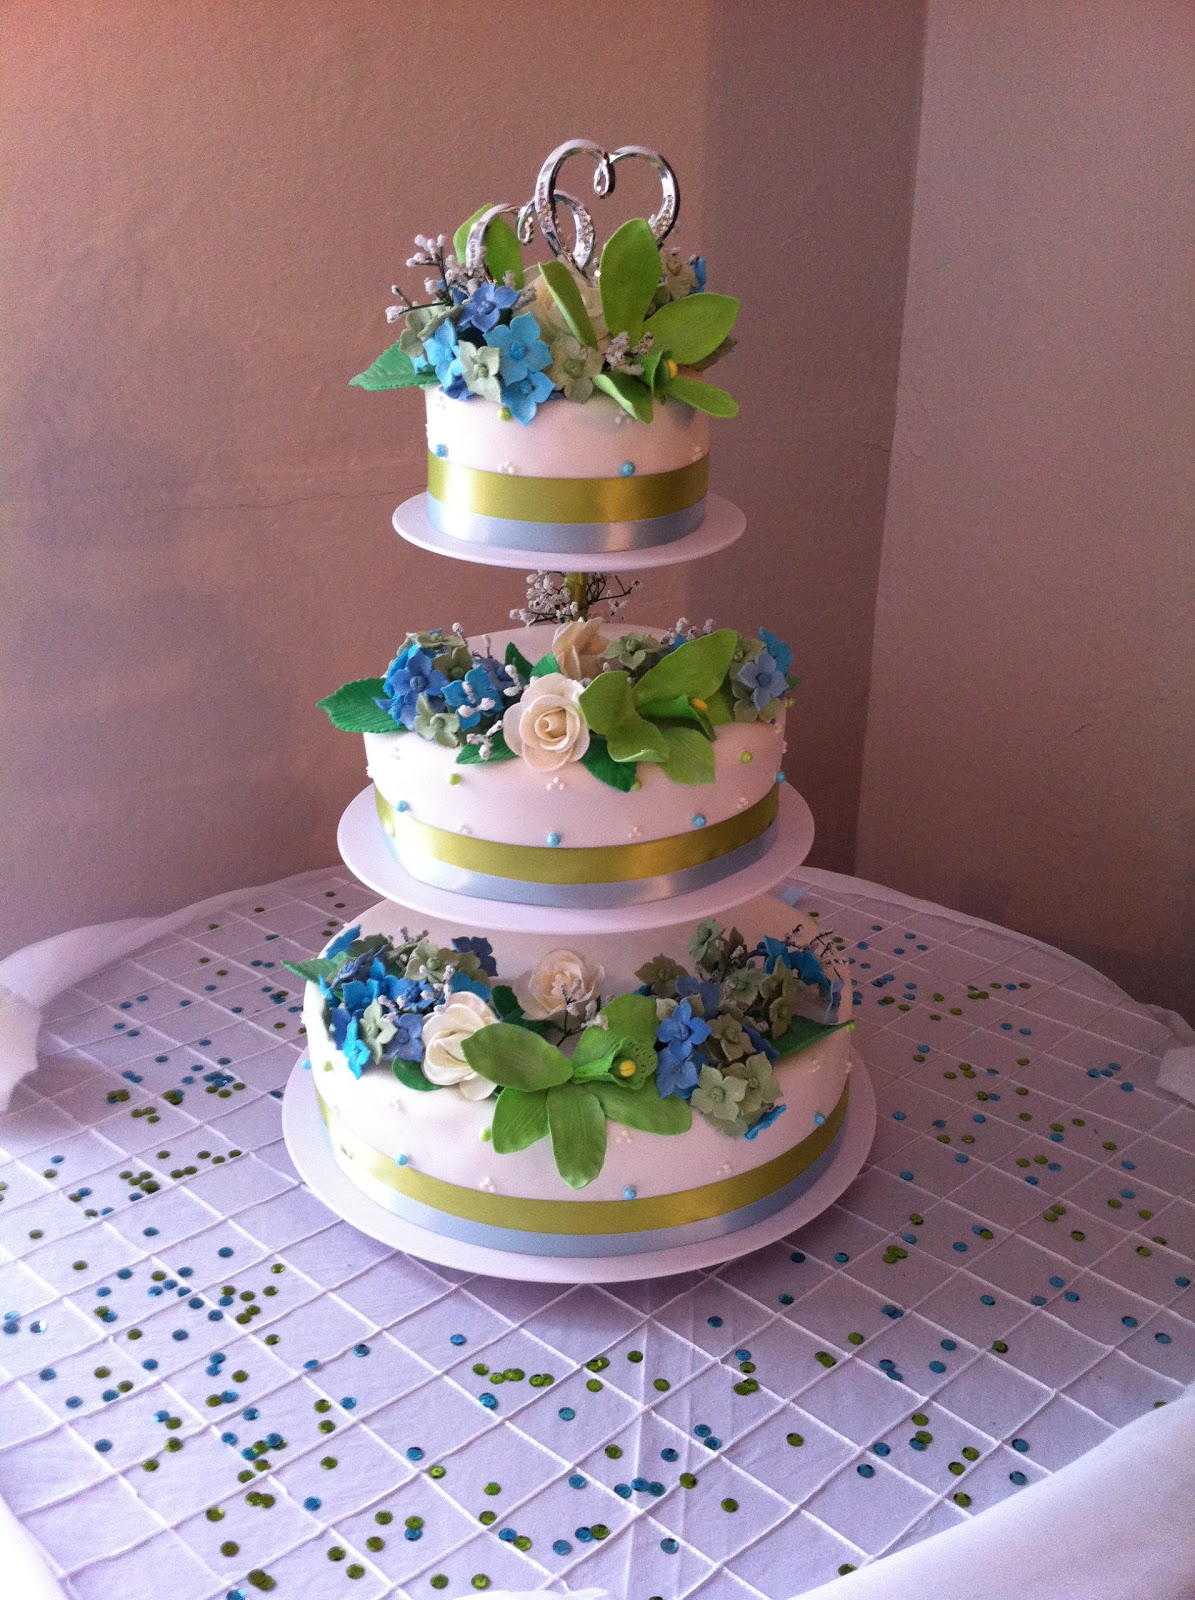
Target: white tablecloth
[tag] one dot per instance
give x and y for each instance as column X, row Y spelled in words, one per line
column 211, row 1387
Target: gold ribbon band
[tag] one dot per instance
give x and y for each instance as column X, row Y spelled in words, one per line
column 519, row 499
column 586, row 1216
column 614, row 863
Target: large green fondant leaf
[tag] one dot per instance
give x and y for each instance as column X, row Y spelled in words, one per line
column 509, row 1010
column 502, row 251
column 595, row 1044
column 632, row 1016
column 689, row 329
column 325, row 967
column 393, row 369
column 651, row 366
column 515, row 658
column 352, row 708
column 632, row 395
column 680, row 709
column 720, row 705
column 801, row 1033
column 577, row 1124
column 696, row 670
column 410, row 1075
column 520, row 1119
column 702, row 396
column 507, row 1054
column 690, row 756
column 642, row 1108
column 628, row 275
column 569, row 303
column 598, row 761
column 608, row 706
column 544, row 665
column 470, row 754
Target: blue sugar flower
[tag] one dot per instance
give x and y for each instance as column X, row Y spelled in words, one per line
column 521, row 350
column 676, row 1074
column 765, row 1121
column 360, row 968
column 356, row 1051
column 485, row 305
column 759, row 1043
column 461, row 982
column 764, row 679
column 778, row 650
column 478, row 694
column 410, row 675
column 407, row 1043
column 482, row 949
column 525, row 395
column 708, row 992
column 342, row 941
column 832, row 1000
column 442, row 351
column 698, row 265
column 797, row 959
column 413, row 994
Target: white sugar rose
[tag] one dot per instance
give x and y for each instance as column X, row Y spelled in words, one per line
column 545, row 726
column 444, row 1031
column 560, row 984
column 578, row 648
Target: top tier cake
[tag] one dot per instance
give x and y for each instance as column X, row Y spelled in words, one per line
column 566, row 410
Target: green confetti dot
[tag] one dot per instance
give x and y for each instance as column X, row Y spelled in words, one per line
column 375, row 1543
column 970, row 1453
column 598, row 1364
column 961, row 1499
column 854, row 1338
column 230, row 1548
column 480, row 1581
column 614, row 1451
column 383, row 1518
column 323, row 1405
column 921, row 1436
column 522, row 1542
column 955, row 1468
column 411, row 1522
column 149, row 1466
column 336, row 1553
column 355, row 1571
column 487, row 1517
column 327, row 1426
column 438, row 1580
column 825, row 1359
column 661, row 1384
column 492, row 1488
column 688, row 1480
column 480, row 1368
column 795, row 1438
column 600, row 1530
column 436, row 1472
column 593, row 1385
column 730, row 1505
column 260, row 1579
column 328, row 1462
column 1000, row 1347
column 634, row 1355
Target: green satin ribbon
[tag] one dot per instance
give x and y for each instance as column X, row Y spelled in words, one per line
column 586, row 1216
column 519, row 499
column 614, row 863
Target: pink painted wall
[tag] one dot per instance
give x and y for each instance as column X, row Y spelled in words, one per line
column 1029, row 741
column 205, row 205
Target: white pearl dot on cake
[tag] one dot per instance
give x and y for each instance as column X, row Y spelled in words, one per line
column 741, row 803
column 509, row 468
column 699, row 820
column 464, row 828
column 724, row 1170
column 697, row 454
column 486, row 1183
column 627, row 469
column 553, row 840
column 634, row 833
column 555, row 784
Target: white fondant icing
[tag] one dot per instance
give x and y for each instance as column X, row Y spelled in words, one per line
column 508, row 801
column 439, row 1131
column 566, row 440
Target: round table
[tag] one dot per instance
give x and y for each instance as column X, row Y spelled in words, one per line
column 213, row 1387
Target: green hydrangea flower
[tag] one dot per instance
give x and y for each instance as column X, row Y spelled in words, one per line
column 679, row 278
column 740, row 991
column 479, row 368
column 375, row 1030
column 660, row 975
column 718, row 1097
column 442, row 726
column 421, row 323
column 762, row 1091
column 634, row 651
column 731, row 1042
column 574, row 366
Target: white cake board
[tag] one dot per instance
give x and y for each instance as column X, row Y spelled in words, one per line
column 366, row 852
column 307, row 1144
column 724, row 523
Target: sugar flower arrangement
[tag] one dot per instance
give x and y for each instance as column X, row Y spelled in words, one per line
column 562, row 1060
column 609, row 704
column 522, row 336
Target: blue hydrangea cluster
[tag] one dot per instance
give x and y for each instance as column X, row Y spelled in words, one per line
column 436, row 675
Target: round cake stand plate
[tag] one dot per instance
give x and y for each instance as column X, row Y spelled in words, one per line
column 366, row 852
column 723, row 524
column 307, row 1144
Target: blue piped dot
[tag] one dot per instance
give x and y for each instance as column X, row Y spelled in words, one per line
column 403, row 805
column 553, row 841
column 699, row 820
column 440, row 450
column 627, row 469
column 780, row 777
column 630, row 1192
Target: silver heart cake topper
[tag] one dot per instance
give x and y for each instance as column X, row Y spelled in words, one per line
column 543, row 207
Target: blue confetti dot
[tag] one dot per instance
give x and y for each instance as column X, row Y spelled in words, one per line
column 103, row 1446
column 623, row 1491
column 414, row 1453
column 630, row 1192
column 937, row 1366
column 412, row 1535
column 441, row 450
column 150, row 1364
column 1020, row 1444
column 881, row 1449
column 507, row 1535
column 712, row 1443
column 74, row 1401
column 360, row 1349
column 456, row 1338
column 742, row 1355
column 561, row 1547
column 669, row 1546
column 841, row 1257
column 703, row 1430
column 1162, row 1338
column 310, row 1366
column 1018, row 1478
column 669, row 1454
column 312, row 1503
column 714, row 1322
column 47, row 1374
column 576, row 1481
column 582, row 1535
column 907, row 1176
column 917, row 1444
column 566, row 1414
column 1037, row 1299
column 225, row 1250
column 489, row 1402
column 865, row 1470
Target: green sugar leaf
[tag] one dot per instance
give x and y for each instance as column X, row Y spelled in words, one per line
column 643, row 1108
column 544, row 665
column 701, row 396
column 352, row 708
column 720, row 705
column 509, row 1010
column 631, row 1016
column 690, row 756
column 595, row 1044
column 567, row 296
column 632, row 395
column 324, row 967
column 689, row 329
column 695, row 671
column 608, row 706
column 515, row 658
column 507, row 1054
column 520, row 1119
column 801, row 1033
column 469, row 755
column 598, row 760
column 628, row 275
column 502, row 251
column 577, row 1125
column 651, row 366
column 410, row 1075
column 679, row 709
column 393, row 369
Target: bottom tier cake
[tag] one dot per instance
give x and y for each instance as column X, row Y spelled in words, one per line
column 650, row 1089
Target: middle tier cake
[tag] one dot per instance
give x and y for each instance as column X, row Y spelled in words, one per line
column 575, row 765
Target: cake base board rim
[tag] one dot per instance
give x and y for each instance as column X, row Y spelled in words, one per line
column 723, row 525
column 309, row 1150
column 366, row 853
